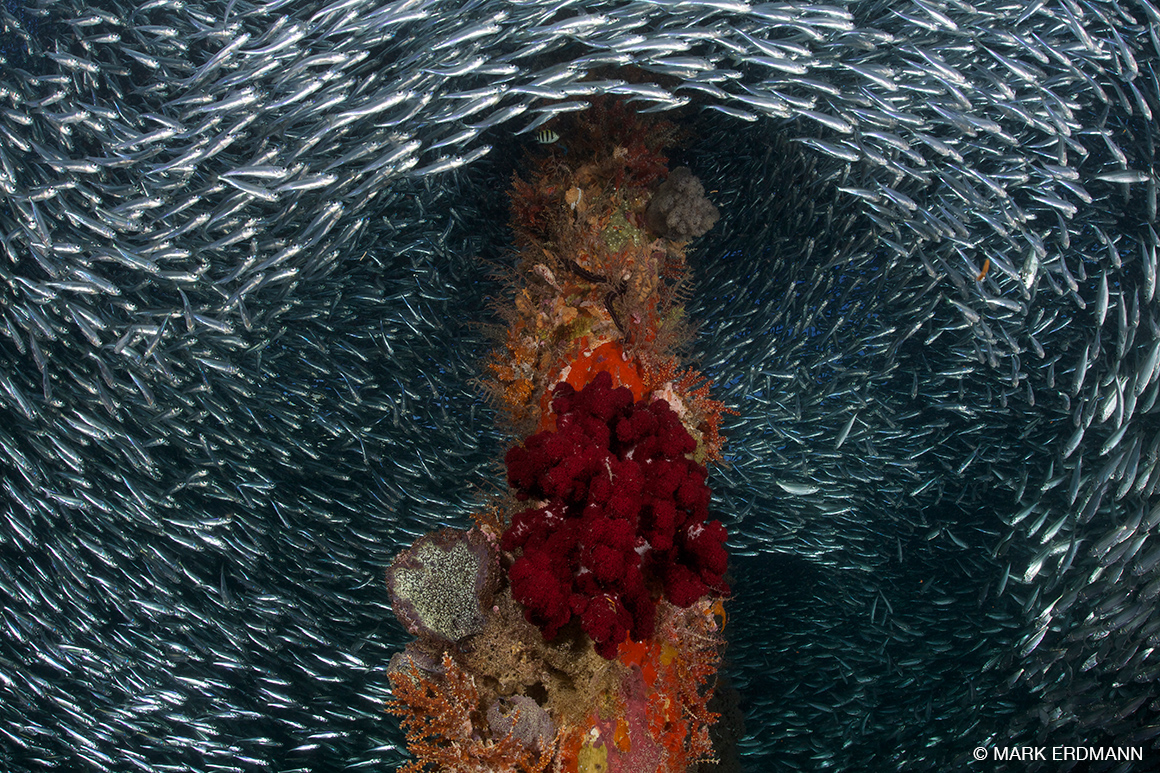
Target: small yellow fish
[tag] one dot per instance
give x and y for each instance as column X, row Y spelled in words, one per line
column 547, row 137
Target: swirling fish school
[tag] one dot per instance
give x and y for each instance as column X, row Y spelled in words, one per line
column 599, row 650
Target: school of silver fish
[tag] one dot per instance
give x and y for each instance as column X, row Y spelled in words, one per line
column 247, row 252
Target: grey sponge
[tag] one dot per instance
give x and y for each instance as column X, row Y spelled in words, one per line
column 525, row 719
column 679, row 209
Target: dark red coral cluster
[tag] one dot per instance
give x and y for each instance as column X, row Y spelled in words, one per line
column 621, row 517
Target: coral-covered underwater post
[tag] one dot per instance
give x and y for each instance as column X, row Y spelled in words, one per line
column 578, row 625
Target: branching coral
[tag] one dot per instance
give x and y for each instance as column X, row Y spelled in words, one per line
column 437, row 717
column 622, row 517
column 689, row 644
column 689, row 397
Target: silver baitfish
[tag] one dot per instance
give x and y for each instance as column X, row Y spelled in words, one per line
column 239, row 242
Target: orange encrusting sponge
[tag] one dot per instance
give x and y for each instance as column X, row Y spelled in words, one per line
column 608, row 357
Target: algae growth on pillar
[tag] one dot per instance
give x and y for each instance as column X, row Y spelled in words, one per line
column 578, row 625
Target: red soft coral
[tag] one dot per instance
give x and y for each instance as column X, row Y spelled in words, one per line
column 624, row 510
column 541, row 592
column 607, row 621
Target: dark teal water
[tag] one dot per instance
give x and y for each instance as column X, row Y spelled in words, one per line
column 204, row 481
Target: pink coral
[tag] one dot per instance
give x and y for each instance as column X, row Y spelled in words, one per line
column 622, row 517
